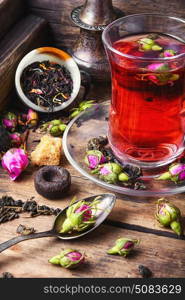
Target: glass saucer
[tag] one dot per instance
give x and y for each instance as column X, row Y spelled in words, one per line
column 93, row 123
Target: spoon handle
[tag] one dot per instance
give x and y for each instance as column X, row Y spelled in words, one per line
column 21, row 238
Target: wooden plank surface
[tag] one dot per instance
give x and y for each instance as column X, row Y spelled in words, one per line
column 58, row 12
column 26, row 35
column 10, row 13
column 131, row 217
column 133, row 211
column 30, row 258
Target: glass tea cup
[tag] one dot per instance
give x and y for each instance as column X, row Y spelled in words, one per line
column 146, row 53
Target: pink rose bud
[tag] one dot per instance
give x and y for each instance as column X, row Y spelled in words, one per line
column 157, row 67
column 93, row 158
column 167, row 214
column 15, row 161
column 109, row 172
column 154, row 79
column 32, row 118
column 176, row 169
column 71, row 259
column 123, row 246
column 16, row 139
column 9, row 121
column 87, row 212
column 175, row 173
column 74, row 256
column 68, row 259
column 22, row 119
column 80, row 216
column 169, row 53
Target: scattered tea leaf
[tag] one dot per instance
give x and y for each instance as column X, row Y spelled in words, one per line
column 23, row 230
column 144, row 271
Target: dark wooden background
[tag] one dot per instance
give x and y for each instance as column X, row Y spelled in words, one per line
column 57, row 12
column 23, row 28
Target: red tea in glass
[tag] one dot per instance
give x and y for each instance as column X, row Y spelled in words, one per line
column 146, row 113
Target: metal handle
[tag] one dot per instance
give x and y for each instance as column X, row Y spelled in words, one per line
column 21, row 238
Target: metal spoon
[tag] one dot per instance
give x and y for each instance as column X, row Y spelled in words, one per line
column 105, row 206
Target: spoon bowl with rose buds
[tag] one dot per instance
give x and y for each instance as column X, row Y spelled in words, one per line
column 74, row 221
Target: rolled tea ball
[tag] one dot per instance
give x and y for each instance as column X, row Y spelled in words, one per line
column 52, row 182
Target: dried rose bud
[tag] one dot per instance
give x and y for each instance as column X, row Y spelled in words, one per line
column 175, row 173
column 54, row 130
column 87, row 212
column 158, row 67
column 156, row 48
column 161, row 78
column 174, row 77
column 55, row 260
column 109, row 172
column 32, row 118
column 9, row 121
column 15, row 161
column 54, row 127
column 62, row 127
column 146, row 44
column 168, row 215
column 22, row 119
column 164, row 176
column 68, row 259
column 71, row 259
column 16, row 139
column 176, row 227
column 123, row 246
column 93, row 158
column 79, row 216
column 169, row 53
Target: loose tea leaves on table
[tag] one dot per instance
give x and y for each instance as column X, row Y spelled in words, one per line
column 144, row 271
column 5, row 141
column 23, row 230
column 10, row 209
column 6, row 275
column 68, row 259
column 47, row 84
column 8, row 214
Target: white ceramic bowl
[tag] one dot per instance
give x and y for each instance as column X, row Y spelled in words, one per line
column 54, row 55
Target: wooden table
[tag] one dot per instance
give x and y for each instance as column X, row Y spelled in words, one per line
column 131, row 217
